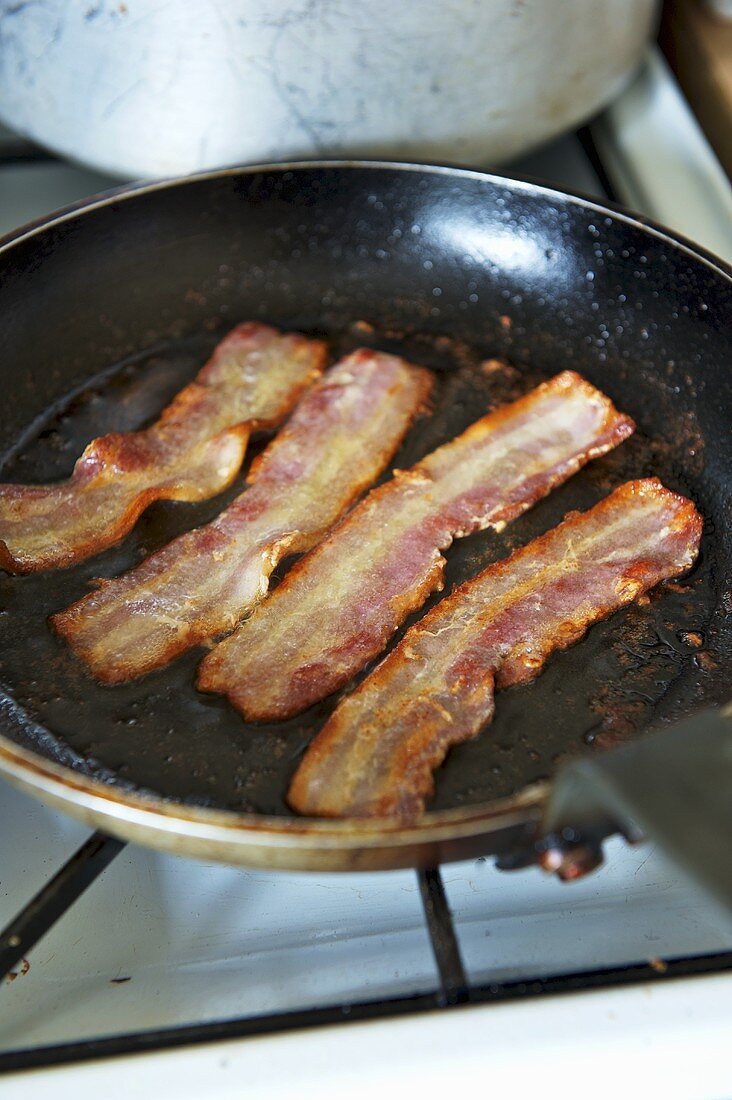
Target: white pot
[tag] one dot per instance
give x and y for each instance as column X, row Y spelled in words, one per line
column 144, row 88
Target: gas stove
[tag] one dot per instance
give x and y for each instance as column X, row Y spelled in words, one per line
column 218, row 979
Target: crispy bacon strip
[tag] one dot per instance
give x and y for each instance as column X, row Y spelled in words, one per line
column 194, row 450
column 340, row 605
column 376, row 754
column 339, row 439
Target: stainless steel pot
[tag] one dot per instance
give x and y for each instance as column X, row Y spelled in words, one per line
column 146, row 89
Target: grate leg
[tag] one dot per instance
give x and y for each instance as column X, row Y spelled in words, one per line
column 53, row 900
column 592, row 153
column 454, row 984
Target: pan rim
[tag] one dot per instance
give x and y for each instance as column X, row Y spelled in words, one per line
column 120, row 808
column 528, row 184
column 131, row 814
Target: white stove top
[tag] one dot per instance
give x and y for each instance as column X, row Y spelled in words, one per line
column 200, row 941
column 160, row 941
column 663, row 1041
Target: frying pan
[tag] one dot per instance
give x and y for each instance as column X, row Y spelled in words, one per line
column 108, row 307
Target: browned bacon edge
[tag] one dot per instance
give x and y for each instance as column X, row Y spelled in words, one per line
column 338, row 607
column 192, row 452
column 376, row 754
column 340, row 437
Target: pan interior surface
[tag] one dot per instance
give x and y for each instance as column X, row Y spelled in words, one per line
column 495, row 286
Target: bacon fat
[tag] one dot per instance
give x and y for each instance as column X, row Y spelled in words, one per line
column 338, row 607
column 253, row 379
column 340, row 437
column 376, row 755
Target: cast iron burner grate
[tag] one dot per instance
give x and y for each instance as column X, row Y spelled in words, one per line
column 453, row 988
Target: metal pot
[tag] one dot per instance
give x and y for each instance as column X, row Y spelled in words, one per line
column 146, row 89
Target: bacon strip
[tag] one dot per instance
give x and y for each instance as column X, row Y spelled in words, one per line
column 192, row 452
column 339, row 439
column 340, row 605
column 376, row 754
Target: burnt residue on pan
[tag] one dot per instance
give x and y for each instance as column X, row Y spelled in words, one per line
column 645, row 664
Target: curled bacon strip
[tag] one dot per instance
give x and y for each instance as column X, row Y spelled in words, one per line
column 194, row 450
column 338, row 607
column 338, row 440
column 376, row 754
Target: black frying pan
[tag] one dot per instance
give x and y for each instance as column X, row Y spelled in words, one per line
column 107, row 309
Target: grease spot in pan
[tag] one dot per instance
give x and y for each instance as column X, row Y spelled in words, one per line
column 161, row 735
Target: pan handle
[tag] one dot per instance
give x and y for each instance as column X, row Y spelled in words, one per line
column 673, row 787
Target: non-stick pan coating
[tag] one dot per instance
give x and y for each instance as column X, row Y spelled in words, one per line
column 494, row 284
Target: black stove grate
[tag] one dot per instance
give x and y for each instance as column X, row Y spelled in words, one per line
column 454, row 987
